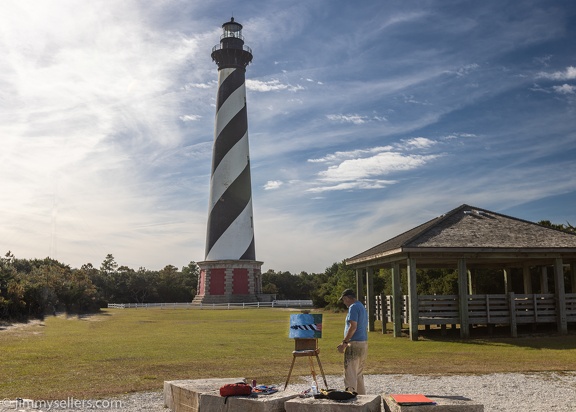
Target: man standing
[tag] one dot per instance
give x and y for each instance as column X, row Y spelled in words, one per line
column 355, row 343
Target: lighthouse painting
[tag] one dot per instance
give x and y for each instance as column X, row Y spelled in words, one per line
column 230, row 271
column 305, row 326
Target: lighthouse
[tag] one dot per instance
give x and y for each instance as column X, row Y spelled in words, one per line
column 230, row 272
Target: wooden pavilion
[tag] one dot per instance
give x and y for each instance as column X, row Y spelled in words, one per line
column 470, row 238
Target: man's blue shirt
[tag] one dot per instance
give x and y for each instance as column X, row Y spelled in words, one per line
column 357, row 313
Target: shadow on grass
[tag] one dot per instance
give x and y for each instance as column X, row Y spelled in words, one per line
column 544, row 336
column 14, row 324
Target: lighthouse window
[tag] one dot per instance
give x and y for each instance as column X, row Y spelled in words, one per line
column 232, row 30
column 235, row 34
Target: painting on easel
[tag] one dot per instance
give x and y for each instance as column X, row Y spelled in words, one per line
column 305, row 326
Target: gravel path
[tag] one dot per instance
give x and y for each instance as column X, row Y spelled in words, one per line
column 510, row 392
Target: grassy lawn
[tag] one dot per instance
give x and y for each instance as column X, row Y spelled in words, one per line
column 128, row 350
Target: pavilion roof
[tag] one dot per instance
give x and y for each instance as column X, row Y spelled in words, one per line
column 474, row 229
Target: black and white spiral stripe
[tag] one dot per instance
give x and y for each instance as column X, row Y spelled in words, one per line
column 230, row 233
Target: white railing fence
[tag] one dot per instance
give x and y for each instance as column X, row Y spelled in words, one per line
column 241, row 305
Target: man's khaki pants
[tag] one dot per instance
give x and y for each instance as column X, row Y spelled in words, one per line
column 354, row 359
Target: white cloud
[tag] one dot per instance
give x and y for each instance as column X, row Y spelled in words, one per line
column 418, row 143
column 565, row 89
column 270, row 86
column 378, row 165
column 350, row 118
column 364, row 184
column 568, row 74
column 466, row 69
column 544, row 60
column 190, row 117
column 190, row 86
column 400, row 17
column 411, row 99
column 352, row 154
column 354, row 118
column 458, row 135
column 272, row 184
column 362, row 169
column 537, row 88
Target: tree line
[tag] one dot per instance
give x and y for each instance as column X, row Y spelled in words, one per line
column 37, row 287
column 32, row 288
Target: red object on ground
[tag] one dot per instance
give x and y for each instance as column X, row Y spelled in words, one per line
column 235, row 389
column 412, row 399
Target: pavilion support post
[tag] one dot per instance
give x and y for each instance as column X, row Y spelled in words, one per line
column 527, row 279
column 544, row 280
column 507, row 280
column 561, row 318
column 463, row 298
column 412, row 299
column 396, row 300
column 360, row 284
column 573, row 277
column 370, row 299
column 512, row 313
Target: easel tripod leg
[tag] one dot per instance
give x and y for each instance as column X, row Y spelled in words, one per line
column 290, row 372
column 322, row 371
column 312, row 370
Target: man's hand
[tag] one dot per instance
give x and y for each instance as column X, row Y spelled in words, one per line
column 342, row 347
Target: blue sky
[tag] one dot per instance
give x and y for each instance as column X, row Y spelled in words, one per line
column 365, row 120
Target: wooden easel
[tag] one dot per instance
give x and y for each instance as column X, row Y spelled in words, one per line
column 308, row 348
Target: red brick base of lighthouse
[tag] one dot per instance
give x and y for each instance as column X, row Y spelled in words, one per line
column 229, row 281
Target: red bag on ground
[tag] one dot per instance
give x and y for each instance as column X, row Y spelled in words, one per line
column 236, row 389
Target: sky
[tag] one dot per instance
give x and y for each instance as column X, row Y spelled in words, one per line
column 365, row 119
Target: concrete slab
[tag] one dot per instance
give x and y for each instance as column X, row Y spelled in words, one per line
column 443, row 404
column 203, row 395
column 362, row 403
column 213, row 402
column 184, row 395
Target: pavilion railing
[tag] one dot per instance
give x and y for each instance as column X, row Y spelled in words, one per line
column 482, row 309
column 571, row 307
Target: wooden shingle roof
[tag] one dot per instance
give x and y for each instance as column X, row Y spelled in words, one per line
column 471, row 228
